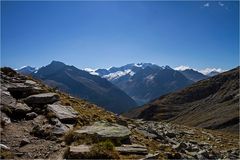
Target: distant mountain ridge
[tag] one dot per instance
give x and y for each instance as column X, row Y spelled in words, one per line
column 212, row 103
column 26, row 70
column 194, row 75
column 145, row 81
column 81, row 84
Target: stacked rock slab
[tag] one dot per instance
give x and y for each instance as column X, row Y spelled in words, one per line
column 132, row 149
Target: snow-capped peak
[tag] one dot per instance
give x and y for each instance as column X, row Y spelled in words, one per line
column 119, row 74
column 27, row 70
column 91, row 71
column 138, row 64
column 206, row 71
column 182, row 68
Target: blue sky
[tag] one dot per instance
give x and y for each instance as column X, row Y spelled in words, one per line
column 103, row 34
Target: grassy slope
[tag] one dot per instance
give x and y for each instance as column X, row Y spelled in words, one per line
column 211, row 103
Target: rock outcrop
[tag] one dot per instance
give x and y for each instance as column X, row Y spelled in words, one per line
column 43, row 98
column 105, row 130
column 64, row 113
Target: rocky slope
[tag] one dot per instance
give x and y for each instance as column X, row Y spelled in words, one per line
column 38, row 122
column 83, row 85
column 212, row 103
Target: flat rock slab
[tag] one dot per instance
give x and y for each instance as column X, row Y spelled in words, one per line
column 21, row 87
column 65, row 114
column 132, row 149
column 43, row 98
column 30, row 82
column 105, row 130
column 21, row 90
column 78, row 151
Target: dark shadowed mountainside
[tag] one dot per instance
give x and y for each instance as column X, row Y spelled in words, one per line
column 212, row 103
column 81, row 84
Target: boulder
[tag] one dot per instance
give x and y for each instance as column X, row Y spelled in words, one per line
column 146, row 133
column 41, row 99
column 102, row 130
column 7, row 99
column 4, row 119
column 65, row 114
column 31, row 115
column 59, row 128
column 21, row 108
column 77, row 152
column 11, row 107
column 132, row 149
column 44, row 130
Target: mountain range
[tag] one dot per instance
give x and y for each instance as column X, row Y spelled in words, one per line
column 212, row 103
column 81, row 84
column 117, row 89
column 145, row 81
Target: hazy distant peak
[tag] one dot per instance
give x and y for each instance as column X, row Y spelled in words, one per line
column 57, row 63
column 27, row 70
column 207, row 71
column 182, row 68
column 91, row 71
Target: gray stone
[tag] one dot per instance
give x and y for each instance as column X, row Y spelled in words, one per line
column 22, row 107
column 19, row 87
column 2, row 146
column 78, row 151
column 7, row 99
column 43, row 98
column 65, row 114
column 30, row 82
column 21, row 90
column 59, row 128
column 132, row 149
column 5, row 119
column 31, row 115
column 145, row 133
column 151, row 156
column 105, row 130
column 13, row 108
